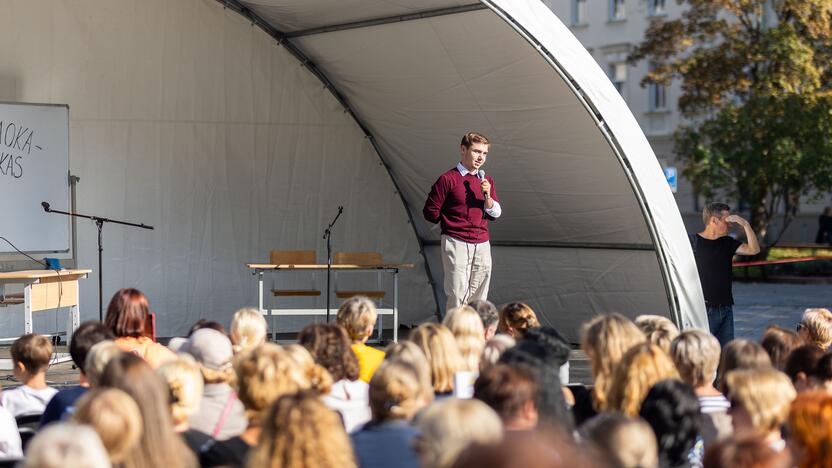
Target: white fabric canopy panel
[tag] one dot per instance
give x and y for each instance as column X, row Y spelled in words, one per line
column 589, row 224
column 234, row 140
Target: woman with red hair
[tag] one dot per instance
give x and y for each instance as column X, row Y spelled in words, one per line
column 810, row 425
column 128, row 316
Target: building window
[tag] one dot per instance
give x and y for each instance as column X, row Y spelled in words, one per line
column 579, row 12
column 656, row 7
column 658, row 94
column 617, row 11
column 618, row 76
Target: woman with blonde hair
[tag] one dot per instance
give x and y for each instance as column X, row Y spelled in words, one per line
column 299, row 431
column 640, row 368
column 448, row 427
column 264, row 374
column 466, row 325
column 358, row 315
column 115, row 417
column 65, row 444
column 158, row 444
column 516, row 318
column 605, row 339
column 248, row 329
column 760, row 401
column 408, row 352
column 442, row 353
column 185, row 386
column 396, row 395
column 622, row 441
column 659, row 330
column 810, row 429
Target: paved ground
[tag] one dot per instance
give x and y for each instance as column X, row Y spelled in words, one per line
column 758, row 305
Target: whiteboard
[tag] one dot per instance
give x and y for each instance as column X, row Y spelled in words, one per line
column 34, row 167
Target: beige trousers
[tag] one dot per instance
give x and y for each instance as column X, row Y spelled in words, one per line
column 467, row 270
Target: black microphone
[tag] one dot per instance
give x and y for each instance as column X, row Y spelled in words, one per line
column 45, row 206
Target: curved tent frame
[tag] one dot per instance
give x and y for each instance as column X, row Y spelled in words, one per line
column 650, row 225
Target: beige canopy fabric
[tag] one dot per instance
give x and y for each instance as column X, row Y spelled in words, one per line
column 238, row 126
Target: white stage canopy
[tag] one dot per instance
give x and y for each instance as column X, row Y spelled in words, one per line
column 238, row 126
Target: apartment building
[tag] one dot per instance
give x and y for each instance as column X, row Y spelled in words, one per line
column 610, row 29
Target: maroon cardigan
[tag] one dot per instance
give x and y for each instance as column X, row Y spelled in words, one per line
column 457, row 203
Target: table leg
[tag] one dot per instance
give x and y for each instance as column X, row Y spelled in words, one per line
column 27, row 309
column 395, row 306
column 72, row 322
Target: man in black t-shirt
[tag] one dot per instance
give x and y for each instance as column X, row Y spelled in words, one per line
column 714, row 250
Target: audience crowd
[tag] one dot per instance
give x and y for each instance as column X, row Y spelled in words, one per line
column 485, row 388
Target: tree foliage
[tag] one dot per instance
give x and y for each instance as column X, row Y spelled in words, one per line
column 756, row 82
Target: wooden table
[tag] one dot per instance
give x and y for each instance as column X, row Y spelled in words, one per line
column 44, row 290
column 393, row 268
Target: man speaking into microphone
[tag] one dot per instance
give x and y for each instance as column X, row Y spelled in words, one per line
column 462, row 201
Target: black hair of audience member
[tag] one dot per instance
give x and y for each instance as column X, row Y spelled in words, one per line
column 823, row 370
column 803, row 359
column 552, row 340
column 205, row 323
column 671, row 408
column 544, row 357
column 87, row 335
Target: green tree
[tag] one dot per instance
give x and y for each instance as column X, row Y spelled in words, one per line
column 755, row 79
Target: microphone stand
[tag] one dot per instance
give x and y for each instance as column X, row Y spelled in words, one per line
column 328, row 237
column 99, row 222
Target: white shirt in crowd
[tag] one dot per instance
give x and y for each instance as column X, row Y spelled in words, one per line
column 351, row 398
column 25, row 400
column 10, row 445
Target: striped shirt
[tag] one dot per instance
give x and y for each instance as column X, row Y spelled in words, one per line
column 713, row 404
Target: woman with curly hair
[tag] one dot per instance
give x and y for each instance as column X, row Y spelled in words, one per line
column 640, row 368
column 605, row 339
column 331, row 348
column 299, row 431
column 264, row 374
column 319, row 378
column 516, row 318
column 466, row 325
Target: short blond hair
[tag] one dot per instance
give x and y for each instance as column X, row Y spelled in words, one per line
column 442, row 353
column 248, row 329
column 766, row 394
column 449, row 426
column 605, row 339
column 640, row 368
column 357, row 315
column 818, row 325
column 696, row 355
column 185, row 385
column 97, row 358
column 494, row 348
column 396, row 391
column 659, row 330
column 318, row 377
column 629, row 442
column 116, row 418
column 264, row 374
column 410, row 353
column 65, row 444
column 466, row 325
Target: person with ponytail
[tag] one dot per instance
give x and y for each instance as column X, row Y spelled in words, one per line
column 515, row 319
column 396, row 395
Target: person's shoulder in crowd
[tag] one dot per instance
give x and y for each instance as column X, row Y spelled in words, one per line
column 25, row 400
column 195, row 440
column 369, row 359
column 379, row 445
column 61, row 405
column 231, row 452
column 10, row 443
column 154, row 353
